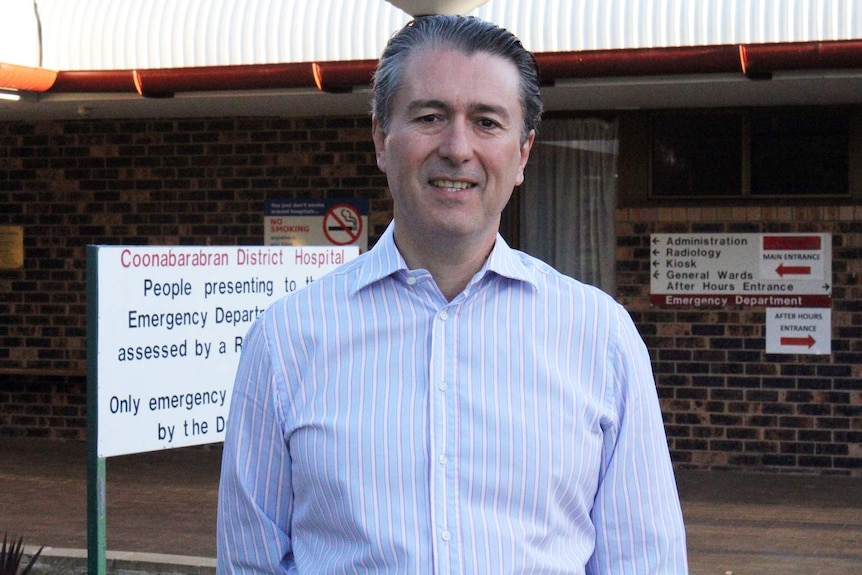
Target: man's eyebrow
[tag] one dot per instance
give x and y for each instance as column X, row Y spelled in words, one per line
column 477, row 108
column 500, row 111
column 416, row 105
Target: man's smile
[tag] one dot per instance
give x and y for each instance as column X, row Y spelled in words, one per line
column 452, row 185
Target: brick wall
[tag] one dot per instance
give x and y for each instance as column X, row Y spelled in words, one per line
column 70, row 184
column 727, row 403
column 43, row 405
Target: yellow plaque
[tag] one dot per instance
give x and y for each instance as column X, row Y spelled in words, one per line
column 11, row 247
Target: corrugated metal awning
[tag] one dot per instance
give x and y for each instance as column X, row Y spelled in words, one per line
column 97, row 57
column 129, row 34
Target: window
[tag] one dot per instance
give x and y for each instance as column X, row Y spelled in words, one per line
column 569, row 196
column 697, row 155
column 799, row 154
column 761, row 153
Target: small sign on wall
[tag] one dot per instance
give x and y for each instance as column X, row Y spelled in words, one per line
column 788, row 274
column 316, row 223
column 11, row 247
column 799, row 330
column 750, row 270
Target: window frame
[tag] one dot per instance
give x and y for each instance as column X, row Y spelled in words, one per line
column 745, row 193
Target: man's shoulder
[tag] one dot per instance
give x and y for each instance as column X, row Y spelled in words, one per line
column 549, row 279
column 332, row 288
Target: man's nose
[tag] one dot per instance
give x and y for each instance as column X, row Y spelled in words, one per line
column 457, row 144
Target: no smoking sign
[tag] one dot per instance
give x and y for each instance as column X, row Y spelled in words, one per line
column 342, row 224
column 332, row 222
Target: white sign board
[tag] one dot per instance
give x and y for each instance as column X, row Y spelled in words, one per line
column 799, row 330
column 171, row 323
column 752, row 270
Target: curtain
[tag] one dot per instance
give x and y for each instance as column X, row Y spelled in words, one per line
column 568, row 199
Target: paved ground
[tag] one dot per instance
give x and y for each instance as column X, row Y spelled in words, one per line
column 164, row 504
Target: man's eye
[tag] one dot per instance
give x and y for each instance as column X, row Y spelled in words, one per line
column 429, row 119
column 487, row 123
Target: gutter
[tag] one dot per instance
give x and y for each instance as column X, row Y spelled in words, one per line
column 25, row 78
column 756, row 61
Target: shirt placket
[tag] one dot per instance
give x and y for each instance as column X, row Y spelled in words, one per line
column 442, row 439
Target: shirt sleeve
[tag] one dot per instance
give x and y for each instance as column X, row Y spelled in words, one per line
column 637, row 515
column 255, row 502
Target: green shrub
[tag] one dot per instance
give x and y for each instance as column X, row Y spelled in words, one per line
column 11, row 554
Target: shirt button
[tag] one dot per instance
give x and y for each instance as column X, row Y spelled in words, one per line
column 442, row 460
column 411, row 280
column 442, row 386
column 444, row 315
column 446, row 536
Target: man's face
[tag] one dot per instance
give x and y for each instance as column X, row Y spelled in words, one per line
column 453, row 152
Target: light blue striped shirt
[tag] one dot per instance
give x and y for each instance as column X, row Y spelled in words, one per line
column 377, row 428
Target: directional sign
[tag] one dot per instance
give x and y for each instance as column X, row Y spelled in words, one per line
column 792, row 257
column 750, row 270
column 799, row 330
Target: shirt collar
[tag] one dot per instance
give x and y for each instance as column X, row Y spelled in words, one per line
column 384, row 259
column 509, row 263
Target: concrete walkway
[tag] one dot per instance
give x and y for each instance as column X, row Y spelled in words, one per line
column 161, row 511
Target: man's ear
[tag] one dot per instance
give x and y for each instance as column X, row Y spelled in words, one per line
column 379, row 137
column 526, row 146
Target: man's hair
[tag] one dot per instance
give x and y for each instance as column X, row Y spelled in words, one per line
column 468, row 35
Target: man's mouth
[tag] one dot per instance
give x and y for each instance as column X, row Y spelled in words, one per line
column 451, row 184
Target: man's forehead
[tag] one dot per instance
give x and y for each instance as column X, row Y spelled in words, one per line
column 479, row 78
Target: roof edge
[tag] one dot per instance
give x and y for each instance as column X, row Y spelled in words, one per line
column 753, row 60
column 26, row 78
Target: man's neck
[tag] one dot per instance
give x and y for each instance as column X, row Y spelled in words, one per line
column 451, row 262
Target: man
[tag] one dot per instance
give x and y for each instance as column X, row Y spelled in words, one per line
column 444, row 404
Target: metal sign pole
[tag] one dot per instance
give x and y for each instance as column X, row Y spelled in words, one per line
column 96, row 540
column 96, row 534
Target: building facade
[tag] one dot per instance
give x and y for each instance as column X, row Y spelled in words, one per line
column 716, row 121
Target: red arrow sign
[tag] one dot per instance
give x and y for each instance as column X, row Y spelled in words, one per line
column 791, row 242
column 807, row 341
column 793, row 270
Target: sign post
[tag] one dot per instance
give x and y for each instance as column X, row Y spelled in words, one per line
column 96, row 503
column 166, row 331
